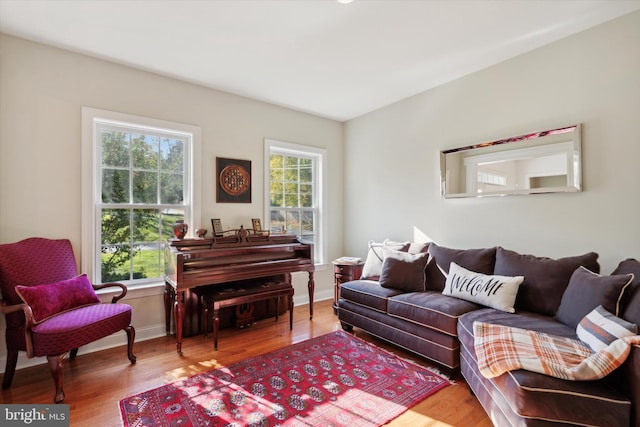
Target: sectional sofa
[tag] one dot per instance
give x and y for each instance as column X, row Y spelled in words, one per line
column 410, row 296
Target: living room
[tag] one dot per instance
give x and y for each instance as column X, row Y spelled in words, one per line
column 384, row 179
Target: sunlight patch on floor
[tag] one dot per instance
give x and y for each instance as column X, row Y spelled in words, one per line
column 420, row 420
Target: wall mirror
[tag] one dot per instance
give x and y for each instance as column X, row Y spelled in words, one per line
column 541, row 162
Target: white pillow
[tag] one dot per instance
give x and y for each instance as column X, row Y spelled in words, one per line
column 600, row 328
column 373, row 263
column 497, row 292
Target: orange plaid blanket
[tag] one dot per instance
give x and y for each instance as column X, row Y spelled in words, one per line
column 503, row 348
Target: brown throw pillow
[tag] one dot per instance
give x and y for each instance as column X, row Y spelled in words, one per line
column 545, row 279
column 403, row 271
column 588, row 290
column 478, row 260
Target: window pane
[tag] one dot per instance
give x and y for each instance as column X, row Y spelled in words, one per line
column 293, row 222
column 276, row 161
column 306, row 195
column 145, row 152
column 147, row 261
column 291, row 175
column 307, row 223
column 115, row 186
column 116, row 226
column 169, row 217
column 115, row 149
column 146, row 226
column 275, row 194
column 115, row 245
column 145, row 187
column 306, row 174
column 277, row 223
column 291, row 200
column 290, row 162
column 115, row 263
column 276, row 174
column 171, row 188
column 172, row 155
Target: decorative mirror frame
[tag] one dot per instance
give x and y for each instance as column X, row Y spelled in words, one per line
column 552, row 159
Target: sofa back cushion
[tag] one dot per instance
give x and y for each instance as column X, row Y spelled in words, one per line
column 631, row 298
column 440, row 258
column 545, row 279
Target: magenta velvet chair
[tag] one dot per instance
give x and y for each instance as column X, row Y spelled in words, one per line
column 50, row 310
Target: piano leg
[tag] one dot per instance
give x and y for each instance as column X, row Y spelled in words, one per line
column 168, row 302
column 311, row 285
column 179, row 315
column 290, row 298
column 216, row 326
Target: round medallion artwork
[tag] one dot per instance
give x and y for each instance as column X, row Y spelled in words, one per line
column 234, row 180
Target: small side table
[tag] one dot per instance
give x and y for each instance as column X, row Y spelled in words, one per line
column 344, row 272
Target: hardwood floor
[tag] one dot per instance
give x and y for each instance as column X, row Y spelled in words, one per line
column 95, row 382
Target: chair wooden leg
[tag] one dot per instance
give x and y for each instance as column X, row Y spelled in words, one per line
column 131, row 335
column 12, row 360
column 73, row 354
column 56, row 366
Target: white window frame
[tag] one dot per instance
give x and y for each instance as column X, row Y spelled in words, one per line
column 92, row 194
column 320, row 188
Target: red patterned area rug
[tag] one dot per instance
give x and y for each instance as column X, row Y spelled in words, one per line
column 332, row 380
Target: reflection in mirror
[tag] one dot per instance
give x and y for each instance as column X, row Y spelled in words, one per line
column 540, row 162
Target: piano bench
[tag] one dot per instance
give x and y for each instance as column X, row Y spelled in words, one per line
column 216, row 298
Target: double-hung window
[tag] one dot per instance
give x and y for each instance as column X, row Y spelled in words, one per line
column 142, row 178
column 294, row 184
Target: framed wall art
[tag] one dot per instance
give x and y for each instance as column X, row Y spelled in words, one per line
column 233, row 180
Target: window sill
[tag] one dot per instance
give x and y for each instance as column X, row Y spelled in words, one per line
column 134, row 291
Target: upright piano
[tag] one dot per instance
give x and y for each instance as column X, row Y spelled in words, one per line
column 191, row 263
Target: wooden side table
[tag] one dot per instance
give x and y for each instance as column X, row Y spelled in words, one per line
column 344, row 272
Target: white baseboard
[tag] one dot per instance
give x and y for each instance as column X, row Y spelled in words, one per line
column 142, row 334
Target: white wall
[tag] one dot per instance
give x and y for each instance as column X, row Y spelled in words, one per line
column 42, row 91
column 593, row 78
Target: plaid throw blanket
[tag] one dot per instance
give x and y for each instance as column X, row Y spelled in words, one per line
column 502, row 348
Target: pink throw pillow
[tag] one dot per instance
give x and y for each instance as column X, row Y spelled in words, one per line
column 54, row 298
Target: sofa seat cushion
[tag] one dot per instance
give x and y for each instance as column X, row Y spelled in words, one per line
column 539, row 397
column 430, row 309
column 78, row 327
column 429, row 343
column 368, row 293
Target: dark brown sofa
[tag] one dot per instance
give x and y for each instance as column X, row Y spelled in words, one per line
column 439, row 328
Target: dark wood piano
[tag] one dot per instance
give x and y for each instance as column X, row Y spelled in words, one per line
column 235, row 256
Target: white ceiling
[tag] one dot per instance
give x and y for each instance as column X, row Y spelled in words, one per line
column 319, row 56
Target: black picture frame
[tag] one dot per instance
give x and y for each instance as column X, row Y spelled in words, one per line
column 233, row 180
column 255, row 223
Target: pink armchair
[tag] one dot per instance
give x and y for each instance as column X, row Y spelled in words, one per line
column 50, row 310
